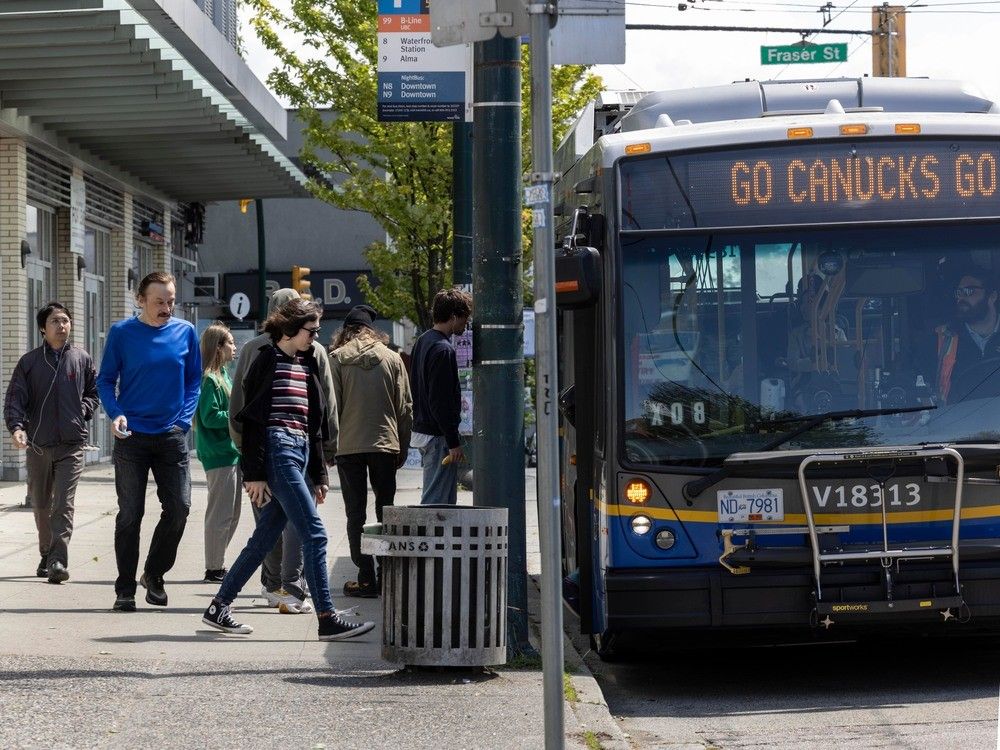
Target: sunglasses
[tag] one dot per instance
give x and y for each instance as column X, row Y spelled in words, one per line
column 966, row 291
column 314, row 332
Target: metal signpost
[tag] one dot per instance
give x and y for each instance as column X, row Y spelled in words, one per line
column 539, row 195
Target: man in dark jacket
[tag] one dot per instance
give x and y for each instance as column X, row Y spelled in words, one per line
column 437, row 398
column 51, row 396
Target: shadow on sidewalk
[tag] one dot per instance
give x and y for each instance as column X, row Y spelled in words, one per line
column 408, row 676
column 313, row 676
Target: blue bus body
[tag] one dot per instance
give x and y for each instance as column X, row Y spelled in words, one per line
column 765, row 423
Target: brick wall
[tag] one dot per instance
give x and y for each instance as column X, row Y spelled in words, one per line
column 13, row 279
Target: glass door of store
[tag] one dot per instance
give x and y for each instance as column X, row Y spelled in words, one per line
column 97, row 314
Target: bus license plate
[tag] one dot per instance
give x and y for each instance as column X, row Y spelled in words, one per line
column 748, row 506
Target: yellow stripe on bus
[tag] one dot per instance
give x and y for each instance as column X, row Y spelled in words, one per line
column 799, row 519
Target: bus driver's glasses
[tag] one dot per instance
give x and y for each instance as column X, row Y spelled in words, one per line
column 314, row 332
column 966, row 291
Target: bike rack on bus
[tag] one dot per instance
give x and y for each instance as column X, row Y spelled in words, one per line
column 887, row 554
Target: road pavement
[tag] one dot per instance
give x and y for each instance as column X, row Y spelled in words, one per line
column 74, row 674
column 918, row 694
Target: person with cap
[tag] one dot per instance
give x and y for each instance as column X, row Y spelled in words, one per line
column 281, row 571
column 376, row 415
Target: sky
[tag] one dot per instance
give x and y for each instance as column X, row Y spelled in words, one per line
column 946, row 39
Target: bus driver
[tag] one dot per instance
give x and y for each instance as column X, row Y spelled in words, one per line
column 970, row 339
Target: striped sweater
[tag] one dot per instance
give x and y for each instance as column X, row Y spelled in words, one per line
column 289, row 394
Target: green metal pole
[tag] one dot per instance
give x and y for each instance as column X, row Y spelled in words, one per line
column 261, row 263
column 461, row 212
column 497, row 331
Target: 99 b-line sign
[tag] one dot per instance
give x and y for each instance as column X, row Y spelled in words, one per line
column 798, row 53
column 416, row 80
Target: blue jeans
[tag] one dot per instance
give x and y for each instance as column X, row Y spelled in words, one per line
column 291, row 500
column 166, row 455
column 440, row 482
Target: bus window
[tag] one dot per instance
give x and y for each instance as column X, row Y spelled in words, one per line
column 837, row 319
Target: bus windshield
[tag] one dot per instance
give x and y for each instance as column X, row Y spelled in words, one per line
column 726, row 334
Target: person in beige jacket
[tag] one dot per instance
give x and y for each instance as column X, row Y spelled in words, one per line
column 376, row 416
column 281, row 572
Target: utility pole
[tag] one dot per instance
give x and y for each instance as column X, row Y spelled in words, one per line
column 261, row 263
column 889, row 41
column 461, row 202
column 497, row 330
column 543, row 17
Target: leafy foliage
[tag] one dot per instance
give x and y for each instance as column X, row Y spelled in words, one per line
column 399, row 173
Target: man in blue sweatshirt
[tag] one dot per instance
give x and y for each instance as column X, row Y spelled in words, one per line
column 149, row 384
column 437, row 398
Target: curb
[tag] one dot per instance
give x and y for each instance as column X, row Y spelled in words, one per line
column 587, row 719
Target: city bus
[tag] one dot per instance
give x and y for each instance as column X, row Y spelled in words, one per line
column 779, row 359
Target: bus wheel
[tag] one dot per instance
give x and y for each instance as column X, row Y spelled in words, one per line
column 605, row 645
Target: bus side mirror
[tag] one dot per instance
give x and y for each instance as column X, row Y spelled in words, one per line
column 578, row 277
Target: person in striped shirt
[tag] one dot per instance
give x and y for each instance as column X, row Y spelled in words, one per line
column 284, row 425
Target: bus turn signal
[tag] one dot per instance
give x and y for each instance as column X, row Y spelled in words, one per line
column 637, row 491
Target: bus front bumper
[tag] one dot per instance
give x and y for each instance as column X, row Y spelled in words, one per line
column 783, row 597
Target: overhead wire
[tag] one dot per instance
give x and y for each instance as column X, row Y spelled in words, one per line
column 775, row 6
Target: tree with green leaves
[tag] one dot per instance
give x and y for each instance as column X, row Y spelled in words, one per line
column 398, row 172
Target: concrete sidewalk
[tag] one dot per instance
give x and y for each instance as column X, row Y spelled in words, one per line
column 74, row 674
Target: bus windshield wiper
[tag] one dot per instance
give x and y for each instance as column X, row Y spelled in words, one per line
column 696, row 486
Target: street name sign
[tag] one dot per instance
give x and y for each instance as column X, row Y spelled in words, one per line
column 416, row 80
column 794, row 54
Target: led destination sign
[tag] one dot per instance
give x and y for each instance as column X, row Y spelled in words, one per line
column 816, row 182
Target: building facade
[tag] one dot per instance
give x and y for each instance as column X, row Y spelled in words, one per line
column 224, row 18
column 119, row 122
column 297, row 231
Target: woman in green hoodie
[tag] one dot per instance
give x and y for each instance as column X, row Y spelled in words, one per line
column 216, row 450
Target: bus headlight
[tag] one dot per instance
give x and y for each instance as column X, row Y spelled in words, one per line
column 665, row 539
column 641, row 525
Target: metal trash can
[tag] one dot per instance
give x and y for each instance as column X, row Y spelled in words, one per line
column 444, row 584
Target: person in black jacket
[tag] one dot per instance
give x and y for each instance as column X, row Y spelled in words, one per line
column 51, row 396
column 437, row 398
column 285, row 421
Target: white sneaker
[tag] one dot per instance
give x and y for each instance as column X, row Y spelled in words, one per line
column 289, row 604
column 271, row 597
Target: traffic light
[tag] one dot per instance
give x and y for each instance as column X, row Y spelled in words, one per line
column 299, row 281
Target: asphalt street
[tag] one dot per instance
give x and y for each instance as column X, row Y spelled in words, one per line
column 916, row 694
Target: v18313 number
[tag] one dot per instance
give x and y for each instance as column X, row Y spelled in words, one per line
column 867, row 496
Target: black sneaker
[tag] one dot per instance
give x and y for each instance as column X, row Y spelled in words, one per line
column 215, row 576
column 336, row 628
column 42, row 571
column 124, row 603
column 58, row 573
column 218, row 616
column 363, row 590
column 155, row 594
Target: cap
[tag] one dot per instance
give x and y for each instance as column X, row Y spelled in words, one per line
column 361, row 315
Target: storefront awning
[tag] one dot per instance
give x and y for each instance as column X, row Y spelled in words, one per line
column 98, row 75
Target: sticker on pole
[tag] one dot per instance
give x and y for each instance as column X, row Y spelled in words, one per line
column 538, row 217
column 536, row 194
